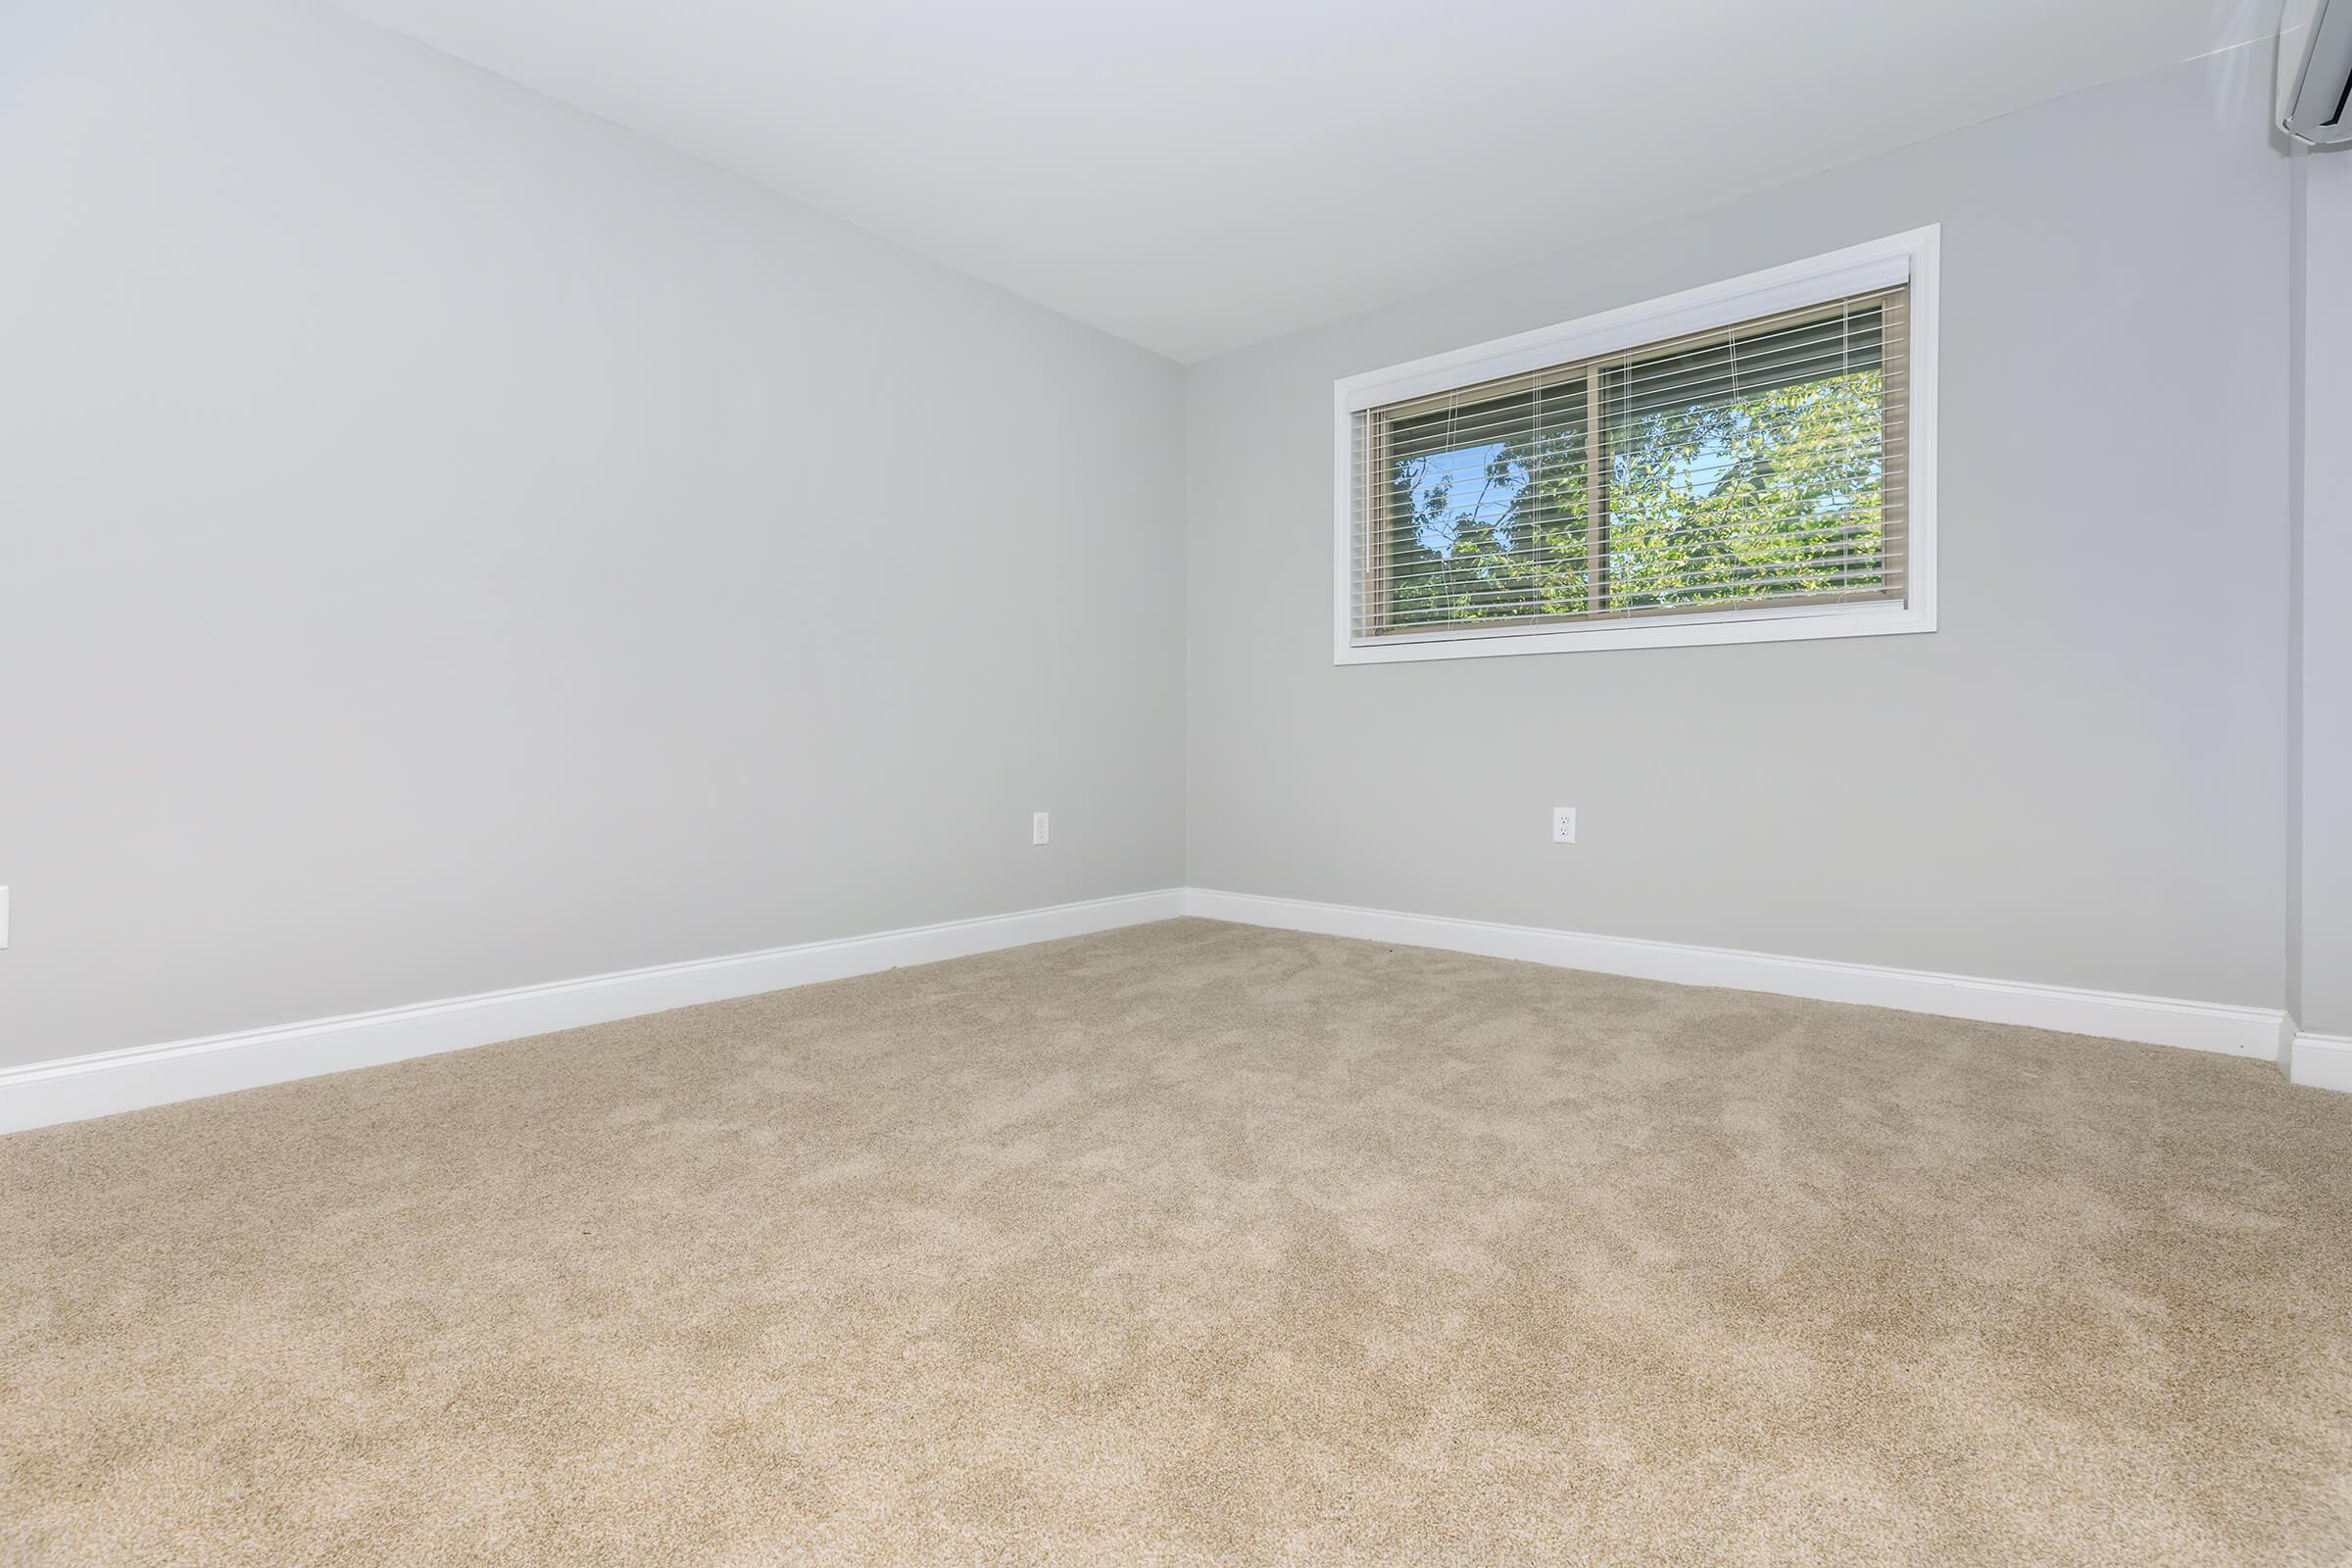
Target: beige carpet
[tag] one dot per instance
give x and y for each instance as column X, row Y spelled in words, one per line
column 1198, row 1244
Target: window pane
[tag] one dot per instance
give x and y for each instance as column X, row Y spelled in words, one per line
column 1485, row 513
column 1749, row 469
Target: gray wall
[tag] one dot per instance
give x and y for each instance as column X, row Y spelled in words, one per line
column 446, row 542
column 2080, row 779
column 2319, row 906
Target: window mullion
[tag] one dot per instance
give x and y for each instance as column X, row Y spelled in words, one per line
column 1597, row 497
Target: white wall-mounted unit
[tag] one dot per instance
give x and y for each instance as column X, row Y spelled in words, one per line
column 2315, row 71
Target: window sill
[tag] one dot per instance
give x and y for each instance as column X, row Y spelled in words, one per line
column 1795, row 624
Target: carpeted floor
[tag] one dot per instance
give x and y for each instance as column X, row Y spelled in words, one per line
column 1198, row 1244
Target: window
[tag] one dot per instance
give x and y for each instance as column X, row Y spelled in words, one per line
column 1746, row 462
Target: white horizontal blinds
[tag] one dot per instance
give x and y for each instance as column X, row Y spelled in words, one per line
column 1761, row 465
column 1483, row 501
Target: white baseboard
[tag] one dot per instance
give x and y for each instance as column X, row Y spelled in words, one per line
column 102, row 1084
column 2238, row 1031
column 106, row 1082
column 2321, row 1061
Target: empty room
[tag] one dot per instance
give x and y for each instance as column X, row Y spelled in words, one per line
column 828, row 782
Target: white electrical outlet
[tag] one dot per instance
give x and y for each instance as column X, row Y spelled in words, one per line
column 1563, row 824
column 1041, row 828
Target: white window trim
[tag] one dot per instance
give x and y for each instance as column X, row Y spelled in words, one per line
column 1880, row 264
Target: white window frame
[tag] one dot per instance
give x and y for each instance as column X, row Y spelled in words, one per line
column 1906, row 258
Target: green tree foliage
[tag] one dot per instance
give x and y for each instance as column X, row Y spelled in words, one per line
column 1772, row 493
column 1710, row 500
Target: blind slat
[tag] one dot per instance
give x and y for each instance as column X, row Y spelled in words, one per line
column 1499, row 594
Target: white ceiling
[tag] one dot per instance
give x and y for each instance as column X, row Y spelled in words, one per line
column 1198, row 175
